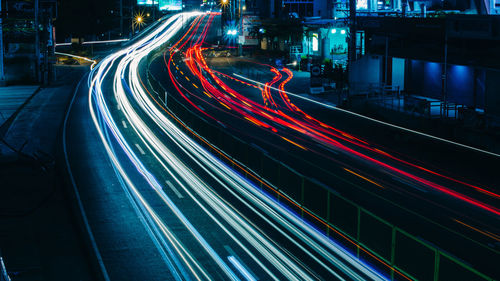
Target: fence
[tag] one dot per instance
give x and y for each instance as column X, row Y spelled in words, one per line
column 397, row 253
column 391, row 97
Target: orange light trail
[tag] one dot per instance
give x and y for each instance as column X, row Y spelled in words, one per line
column 365, row 178
column 487, row 233
column 294, row 143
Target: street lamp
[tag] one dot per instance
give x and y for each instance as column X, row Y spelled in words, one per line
column 137, row 21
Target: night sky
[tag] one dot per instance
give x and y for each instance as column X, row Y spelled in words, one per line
column 79, row 18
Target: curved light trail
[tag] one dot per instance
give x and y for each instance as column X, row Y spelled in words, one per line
column 271, row 115
column 121, row 73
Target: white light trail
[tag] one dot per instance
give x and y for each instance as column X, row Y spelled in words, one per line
column 252, row 240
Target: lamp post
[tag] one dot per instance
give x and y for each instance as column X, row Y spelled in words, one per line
column 224, row 8
column 226, row 5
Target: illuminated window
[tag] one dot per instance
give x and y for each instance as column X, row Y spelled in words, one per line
column 315, row 43
column 361, row 4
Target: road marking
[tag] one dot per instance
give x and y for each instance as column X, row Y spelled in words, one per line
column 140, row 149
column 195, row 86
column 242, row 269
column 187, row 78
column 174, row 190
column 124, row 124
column 236, row 261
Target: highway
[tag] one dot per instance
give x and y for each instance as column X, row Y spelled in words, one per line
column 199, row 218
column 459, row 214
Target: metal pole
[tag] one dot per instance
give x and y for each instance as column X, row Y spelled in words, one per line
column 233, row 17
column 37, row 44
column 352, row 40
column 386, row 62
column 445, row 74
column 2, row 72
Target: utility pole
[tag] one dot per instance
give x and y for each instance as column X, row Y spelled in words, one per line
column 2, row 72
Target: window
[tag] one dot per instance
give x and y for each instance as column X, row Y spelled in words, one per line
column 315, row 43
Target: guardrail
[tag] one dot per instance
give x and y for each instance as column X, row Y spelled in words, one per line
column 394, row 251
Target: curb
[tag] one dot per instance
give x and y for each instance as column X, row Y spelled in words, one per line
column 78, row 210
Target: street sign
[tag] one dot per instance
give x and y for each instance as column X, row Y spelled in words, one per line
column 248, row 24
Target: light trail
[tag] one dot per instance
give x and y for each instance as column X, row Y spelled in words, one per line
column 105, row 41
column 365, row 178
column 94, row 62
column 265, row 117
column 374, row 120
column 251, row 239
column 97, row 94
column 363, row 144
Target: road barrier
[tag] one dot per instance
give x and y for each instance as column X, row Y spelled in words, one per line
column 392, row 250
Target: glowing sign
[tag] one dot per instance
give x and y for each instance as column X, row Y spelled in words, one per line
column 164, row 5
column 170, row 5
column 145, row 2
